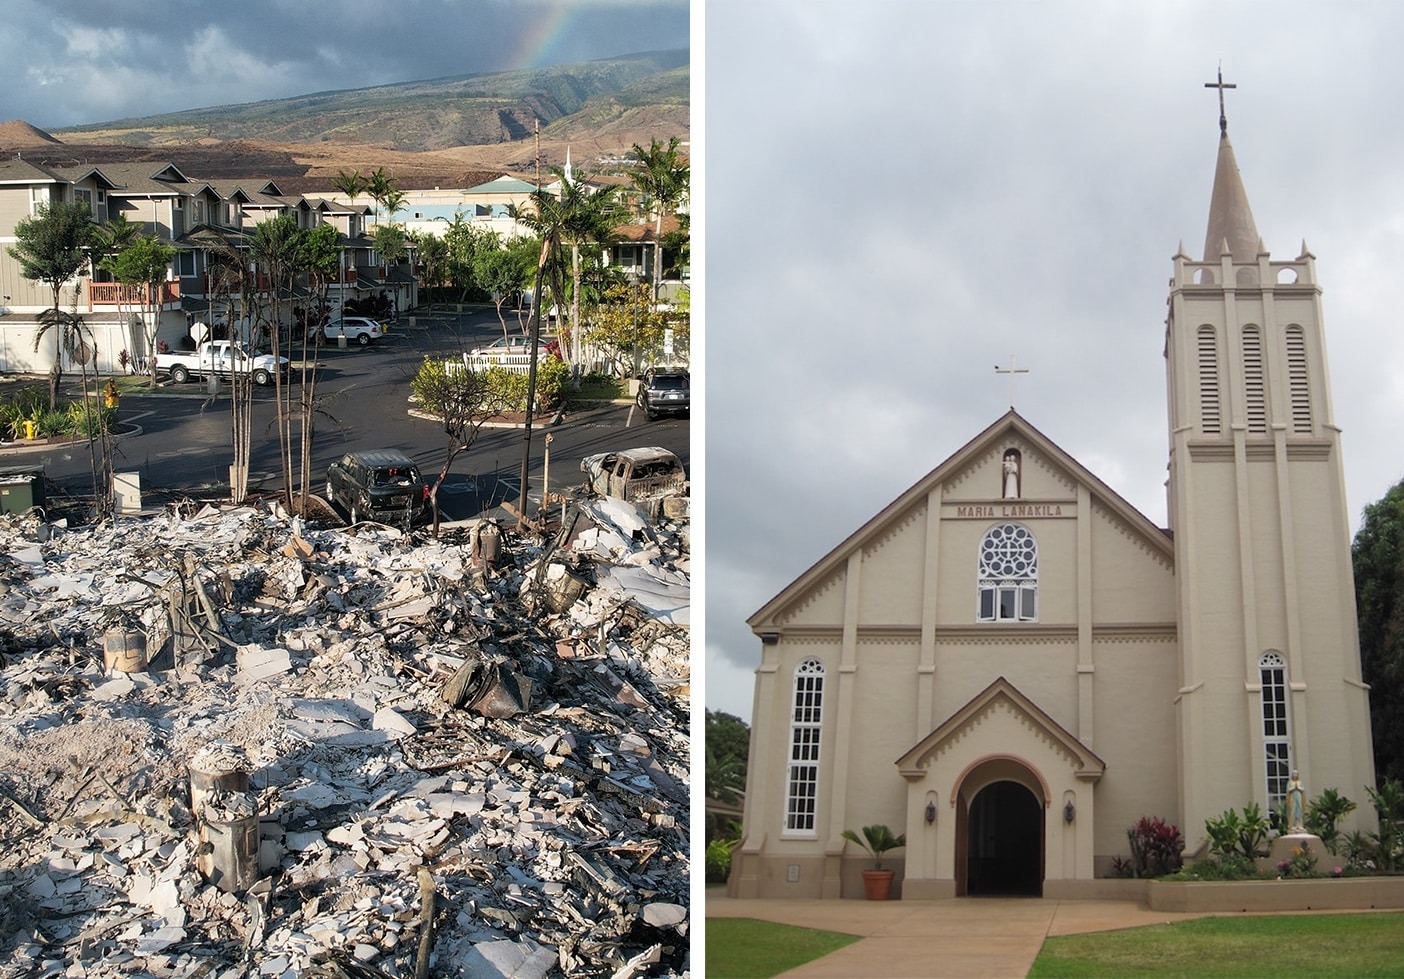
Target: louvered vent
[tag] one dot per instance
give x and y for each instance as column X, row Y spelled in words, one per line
column 1208, row 381
column 1298, row 382
column 1253, row 381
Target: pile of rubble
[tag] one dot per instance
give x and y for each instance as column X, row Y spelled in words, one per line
column 235, row 744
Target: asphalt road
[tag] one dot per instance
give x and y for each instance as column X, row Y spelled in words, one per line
column 184, row 444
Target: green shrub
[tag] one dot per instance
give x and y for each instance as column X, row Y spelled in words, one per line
column 1324, row 814
column 1242, row 835
column 718, row 860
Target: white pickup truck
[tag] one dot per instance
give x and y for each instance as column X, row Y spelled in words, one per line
column 221, row 357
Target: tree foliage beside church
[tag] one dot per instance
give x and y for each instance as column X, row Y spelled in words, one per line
column 1378, row 557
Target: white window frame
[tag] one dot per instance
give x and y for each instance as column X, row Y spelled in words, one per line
column 1007, row 575
column 802, row 765
column 1276, row 726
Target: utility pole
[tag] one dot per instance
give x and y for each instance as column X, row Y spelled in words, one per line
column 535, row 324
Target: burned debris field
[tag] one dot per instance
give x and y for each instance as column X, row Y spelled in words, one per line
column 236, row 743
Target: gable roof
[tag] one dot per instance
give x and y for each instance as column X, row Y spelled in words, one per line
column 20, row 171
column 1011, row 423
column 913, row 763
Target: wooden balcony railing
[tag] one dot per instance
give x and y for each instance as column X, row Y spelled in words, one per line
column 121, row 294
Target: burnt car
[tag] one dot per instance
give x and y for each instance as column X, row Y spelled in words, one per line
column 377, row 484
column 643, row 476
column 665, row 391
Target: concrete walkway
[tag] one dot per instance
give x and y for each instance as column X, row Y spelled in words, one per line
column 960, row 937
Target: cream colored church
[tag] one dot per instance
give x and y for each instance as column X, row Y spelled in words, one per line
column 1011, row 665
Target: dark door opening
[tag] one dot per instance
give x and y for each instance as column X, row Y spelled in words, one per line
column 1005, row 843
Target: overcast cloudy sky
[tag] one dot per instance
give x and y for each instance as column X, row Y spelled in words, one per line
column 69, row 62
column 901, row 195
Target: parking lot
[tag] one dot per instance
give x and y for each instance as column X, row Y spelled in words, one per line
column 182, row 442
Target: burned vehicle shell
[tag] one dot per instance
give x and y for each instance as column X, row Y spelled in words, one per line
column 640, row 476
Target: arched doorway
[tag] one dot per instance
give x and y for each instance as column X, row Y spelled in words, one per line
column 999, row 831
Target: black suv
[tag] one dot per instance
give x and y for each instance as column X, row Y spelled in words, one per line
column 665, row 391
column 377, row 484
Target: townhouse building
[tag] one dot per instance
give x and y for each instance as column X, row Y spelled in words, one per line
column 193, row 216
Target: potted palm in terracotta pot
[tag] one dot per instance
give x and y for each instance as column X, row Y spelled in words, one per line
column 877, row 840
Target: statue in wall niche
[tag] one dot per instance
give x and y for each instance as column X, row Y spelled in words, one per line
column 1011, row 475
column 1296, row 805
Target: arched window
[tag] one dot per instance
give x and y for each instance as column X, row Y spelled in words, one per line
column 1008, row 575
column 802, row 779
column 1277, row 732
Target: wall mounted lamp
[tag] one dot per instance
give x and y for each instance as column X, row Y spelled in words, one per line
column 931, row 812
column 1069, row 812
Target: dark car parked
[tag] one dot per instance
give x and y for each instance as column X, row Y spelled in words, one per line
column 377, row 484
column 665, row 391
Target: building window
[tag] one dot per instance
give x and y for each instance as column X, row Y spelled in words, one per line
column 1253, row 388
column 1008, row 575
column 1208, row 381
column 1298, row 381
column 802, row 779
column 1277, row 741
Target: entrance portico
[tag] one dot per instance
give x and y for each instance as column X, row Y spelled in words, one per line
column 984, row 820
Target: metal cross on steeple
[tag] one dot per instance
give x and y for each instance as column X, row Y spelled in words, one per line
column 1221, row 85
column 1011, row 370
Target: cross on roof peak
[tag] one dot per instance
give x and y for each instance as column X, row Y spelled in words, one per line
column 1221, row 85
column 1011, row 370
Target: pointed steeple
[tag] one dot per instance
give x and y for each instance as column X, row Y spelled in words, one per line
column 1230, row 218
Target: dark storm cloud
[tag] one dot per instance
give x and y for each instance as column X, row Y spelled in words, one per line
column 73, row 61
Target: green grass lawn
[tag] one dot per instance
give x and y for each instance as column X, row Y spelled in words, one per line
column 1287, row 945
column 740, row 948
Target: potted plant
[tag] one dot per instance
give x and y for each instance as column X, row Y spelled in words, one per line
column 877, row 840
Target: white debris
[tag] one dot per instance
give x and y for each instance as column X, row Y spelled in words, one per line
column 295, row 689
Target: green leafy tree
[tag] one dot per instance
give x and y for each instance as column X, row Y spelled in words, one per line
column 663, row 178
column 629, row 325
column 145, row 263
column 51, row 247
column 463, row 400
column 726, row 746
column 503, row 274
column 1378, row 558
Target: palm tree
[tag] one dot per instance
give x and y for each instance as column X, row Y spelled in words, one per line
column 578, row 215
column 664, row 182
column 574, row 217
column 379, row 185
column 351, row 184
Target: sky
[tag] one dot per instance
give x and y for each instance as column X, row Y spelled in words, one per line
column 902, row 195
column 71, row 62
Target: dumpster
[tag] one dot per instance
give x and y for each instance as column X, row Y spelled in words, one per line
column 21, row 488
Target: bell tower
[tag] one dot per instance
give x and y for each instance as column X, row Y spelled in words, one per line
column 1269, row 654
